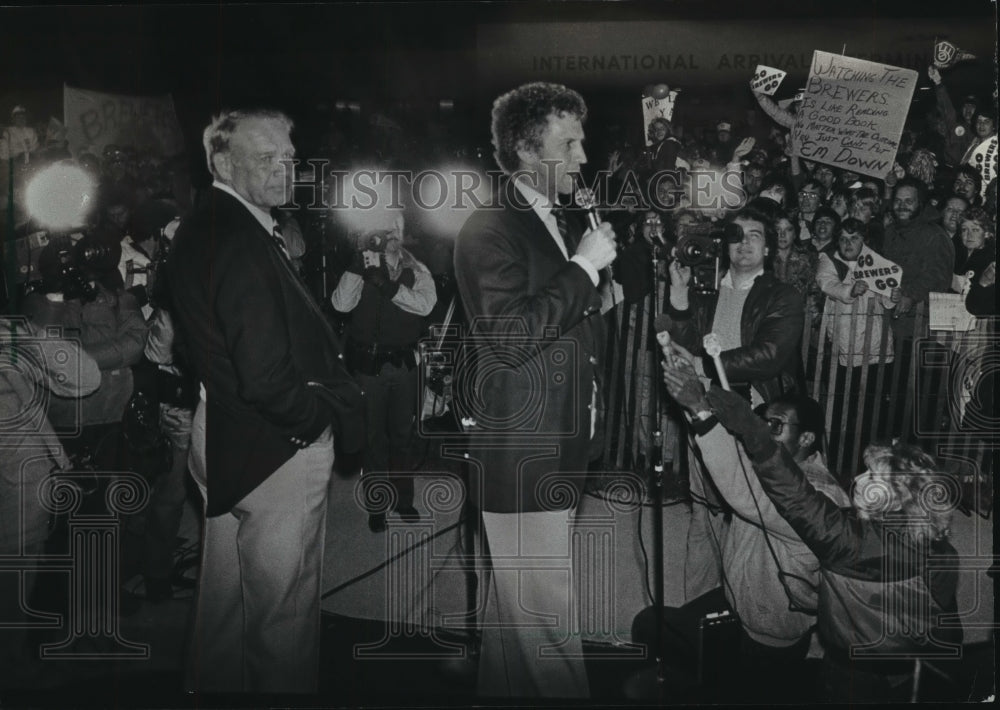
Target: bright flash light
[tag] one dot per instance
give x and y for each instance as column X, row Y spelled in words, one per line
column 60, row 196
column 368, row 200
column 447, row 196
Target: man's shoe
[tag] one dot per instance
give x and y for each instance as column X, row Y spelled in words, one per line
column 408, row 514
column 376, row 522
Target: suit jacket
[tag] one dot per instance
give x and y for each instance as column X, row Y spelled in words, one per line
column 256, row 339
column 536, row 339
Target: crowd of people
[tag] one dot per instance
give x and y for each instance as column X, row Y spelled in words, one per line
column 204, row 348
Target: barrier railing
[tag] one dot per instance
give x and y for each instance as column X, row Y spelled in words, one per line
column 931, row 391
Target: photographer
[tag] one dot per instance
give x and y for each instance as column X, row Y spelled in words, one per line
column 389, row 293
column 82, row 292
column 758, row 321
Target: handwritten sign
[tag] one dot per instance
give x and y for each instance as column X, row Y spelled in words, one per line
column 658, row 108
column 852, row 113
column 766, row 80
column 94, row 120
column 984, row 159
column 879, row 273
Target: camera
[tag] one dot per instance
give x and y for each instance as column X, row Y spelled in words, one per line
column 372, row 241
column 71, row 269
column 701, row 250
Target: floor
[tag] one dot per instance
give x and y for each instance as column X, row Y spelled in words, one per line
column 371, row 654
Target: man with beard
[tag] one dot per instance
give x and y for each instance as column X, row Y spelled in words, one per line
column 919, row 245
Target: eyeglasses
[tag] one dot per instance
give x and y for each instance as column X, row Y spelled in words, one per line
column 654, row 222
column 808, row 194
column 776, row 426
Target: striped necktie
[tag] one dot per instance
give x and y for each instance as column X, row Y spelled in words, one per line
column 276, row 236
column 559, row 212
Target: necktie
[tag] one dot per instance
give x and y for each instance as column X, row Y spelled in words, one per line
column 559, row 213
column 276, row 236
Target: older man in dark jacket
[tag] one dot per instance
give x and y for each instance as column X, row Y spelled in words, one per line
column 261, row 442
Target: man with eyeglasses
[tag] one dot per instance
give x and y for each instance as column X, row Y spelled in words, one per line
column 810, row 200
column 769, row 575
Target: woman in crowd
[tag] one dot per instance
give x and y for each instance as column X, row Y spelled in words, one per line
column 968, row 184
column 976, row 249
column 793, row 263
column 866, row 207
column 855, row 329
column 874, row 557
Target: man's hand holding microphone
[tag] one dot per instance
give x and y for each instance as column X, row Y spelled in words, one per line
column 598, row 246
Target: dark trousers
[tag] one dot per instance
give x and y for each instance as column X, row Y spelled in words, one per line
column 390, row 408
column 167, row 497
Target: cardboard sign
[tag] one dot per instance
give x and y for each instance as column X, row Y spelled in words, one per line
column 766, row 80
column 948, row 55
column 947, row 312
column 852, row 114
column 94, row 120
column 984, row 159
column 879, row 273
column 658, row 108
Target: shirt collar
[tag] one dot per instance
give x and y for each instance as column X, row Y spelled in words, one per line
column 727, row 280
column 539, row 202
column 263, row 216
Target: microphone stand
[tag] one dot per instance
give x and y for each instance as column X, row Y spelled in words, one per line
column 650, row 682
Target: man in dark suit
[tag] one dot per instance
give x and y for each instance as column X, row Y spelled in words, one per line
column 262, row 446
column 529, row 284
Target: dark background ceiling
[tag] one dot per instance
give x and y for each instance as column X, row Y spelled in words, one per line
column 305, row 57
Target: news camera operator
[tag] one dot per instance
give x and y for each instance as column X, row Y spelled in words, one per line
column 758, row 321
column 388, row 293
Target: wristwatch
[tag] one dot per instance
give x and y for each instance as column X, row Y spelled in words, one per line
column 703, row 421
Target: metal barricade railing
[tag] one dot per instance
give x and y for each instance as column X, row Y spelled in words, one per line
column 917, row 390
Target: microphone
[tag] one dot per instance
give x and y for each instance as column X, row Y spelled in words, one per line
column 714, row 349
column 587, row 201
column 660, row 324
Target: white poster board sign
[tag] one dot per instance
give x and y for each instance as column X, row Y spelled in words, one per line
column 657, row 108
column 852, row 113
column 879, row 273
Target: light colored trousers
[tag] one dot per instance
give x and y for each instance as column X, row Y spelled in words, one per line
column 257, row 614
column 531, row 643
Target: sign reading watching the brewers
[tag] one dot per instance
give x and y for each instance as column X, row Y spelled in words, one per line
column 852, row 113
